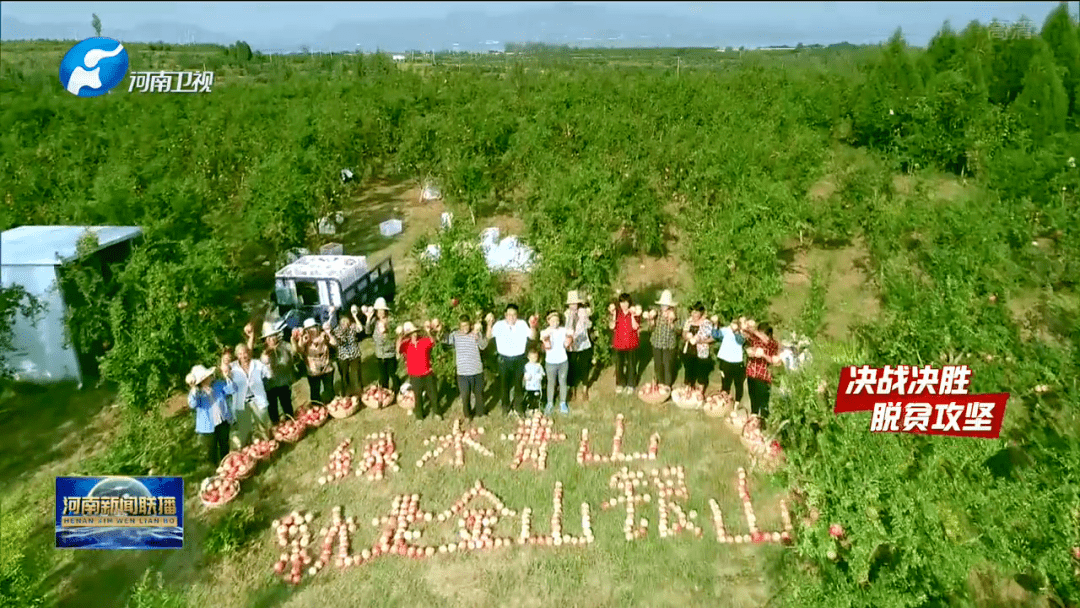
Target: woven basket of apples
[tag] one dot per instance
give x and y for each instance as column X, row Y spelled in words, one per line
column 688, row 398
column 290, row 431
column 407, row 398
column 375, row 397
column 314, row 416
column 261, row 449
column 654, row 393
column 343, row 407
column 216, row 491
column 718, row 405
column 236, row 465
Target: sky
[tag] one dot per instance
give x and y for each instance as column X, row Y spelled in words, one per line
column 831, row 21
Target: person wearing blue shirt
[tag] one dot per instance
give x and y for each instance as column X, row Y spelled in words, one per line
column 213, row 416
column 730, row 357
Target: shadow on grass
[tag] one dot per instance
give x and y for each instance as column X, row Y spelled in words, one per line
column 45, row 424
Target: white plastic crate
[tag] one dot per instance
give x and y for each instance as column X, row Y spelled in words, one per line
column 447, row 220
column 390, row 228
column 332, row 249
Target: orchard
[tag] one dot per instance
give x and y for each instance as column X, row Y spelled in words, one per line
column 890, row 203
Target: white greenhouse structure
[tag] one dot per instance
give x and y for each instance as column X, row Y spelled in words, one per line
column 31, row 256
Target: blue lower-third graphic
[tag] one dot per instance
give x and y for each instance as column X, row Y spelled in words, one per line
column 119, row 512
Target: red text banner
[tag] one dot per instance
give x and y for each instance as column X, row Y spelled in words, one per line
column 920, row 399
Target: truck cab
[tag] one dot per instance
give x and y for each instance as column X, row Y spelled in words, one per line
column 309, row 286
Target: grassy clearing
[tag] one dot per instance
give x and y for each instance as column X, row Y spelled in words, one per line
column 612, row 572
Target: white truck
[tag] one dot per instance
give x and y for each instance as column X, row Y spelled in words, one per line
column 310, row 285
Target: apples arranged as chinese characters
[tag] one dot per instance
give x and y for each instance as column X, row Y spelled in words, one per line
column 340, row 462
column 290, row 431
column 340, row 529
column 292, row 534
column 216, row 491
column 314, row 416
column 585, row 454
column 532, row 436
column 379, row 454
column 236, row 465
column 261, row 449
column 458, row 440
column 627, row 482
column 669, row 488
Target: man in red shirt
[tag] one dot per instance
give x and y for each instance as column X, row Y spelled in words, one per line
column 417, row 352
column 762, row 351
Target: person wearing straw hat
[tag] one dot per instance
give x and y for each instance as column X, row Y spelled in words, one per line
column 213, row 416
column 665, row 333
column 556, row 339
column 417, row 352
column 280, row 361
column 379, row 325
column 313, row 345
column 580, row 352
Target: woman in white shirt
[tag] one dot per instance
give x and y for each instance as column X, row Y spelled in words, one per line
column 249, row 402
column 556, row 339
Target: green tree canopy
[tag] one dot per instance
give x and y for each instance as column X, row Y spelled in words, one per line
column 1060, row 34
column 1043, row 104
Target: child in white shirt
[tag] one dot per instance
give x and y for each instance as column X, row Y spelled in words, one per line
column 534, row 376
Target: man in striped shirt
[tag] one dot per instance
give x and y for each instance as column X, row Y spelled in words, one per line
column 468, row 340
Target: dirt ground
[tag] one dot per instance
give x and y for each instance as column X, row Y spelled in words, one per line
column 382, row 201
column 850, row 297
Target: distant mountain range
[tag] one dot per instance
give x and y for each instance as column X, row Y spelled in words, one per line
column 571, row 24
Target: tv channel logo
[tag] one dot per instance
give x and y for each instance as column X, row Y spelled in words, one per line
column 93, row 67
column 119, row 512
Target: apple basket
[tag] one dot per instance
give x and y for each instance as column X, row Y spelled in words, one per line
column 343, row 407
column 718, row 405
column 375, row 397
column 687, row 398
column 217, row 491
column 236, row 465
column 261, row 449
column 407, row 398
column 654, row 393
column 289, row 431
column 315, row 416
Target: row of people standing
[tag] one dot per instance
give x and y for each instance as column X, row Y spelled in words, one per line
column 566, row 349
column 697, row 332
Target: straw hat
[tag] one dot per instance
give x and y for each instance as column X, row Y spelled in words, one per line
column 380, row 304
column 199, row 374
column 666, row 299
column 408, row 329
column 270, row 329
column 574, row 298
column 309, row 323
column 555, row 314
